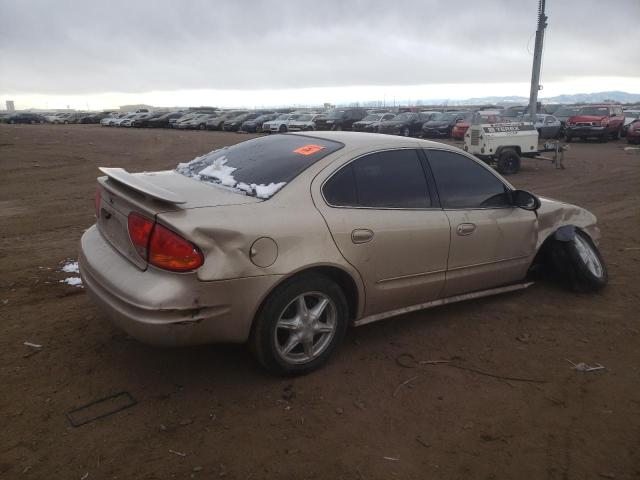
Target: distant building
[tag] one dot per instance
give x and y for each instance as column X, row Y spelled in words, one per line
column 10, row 106
column 135, row 108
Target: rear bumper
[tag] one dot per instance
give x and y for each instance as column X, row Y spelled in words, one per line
column 165, row 308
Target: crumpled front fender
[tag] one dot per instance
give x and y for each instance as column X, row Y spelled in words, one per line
column 560, row 220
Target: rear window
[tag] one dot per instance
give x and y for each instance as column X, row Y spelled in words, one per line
column 259, row 167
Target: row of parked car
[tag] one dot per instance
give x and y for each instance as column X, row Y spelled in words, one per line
column 587, row 121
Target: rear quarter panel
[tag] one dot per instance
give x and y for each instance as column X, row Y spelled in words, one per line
column 226, row 234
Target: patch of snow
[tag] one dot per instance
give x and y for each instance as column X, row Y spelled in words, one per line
column 73, row 281
column 267, row 191
column 71, row 267
column 221, row 172
column 215, row 171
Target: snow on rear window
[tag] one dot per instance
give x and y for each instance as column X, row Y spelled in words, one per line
column 258, row 167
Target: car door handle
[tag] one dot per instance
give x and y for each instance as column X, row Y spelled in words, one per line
column 466, row 228
column 361, row 235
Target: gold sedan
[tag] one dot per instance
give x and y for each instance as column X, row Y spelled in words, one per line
column 284, row 241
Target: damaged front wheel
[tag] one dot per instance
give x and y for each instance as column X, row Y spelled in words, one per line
column 581, row 262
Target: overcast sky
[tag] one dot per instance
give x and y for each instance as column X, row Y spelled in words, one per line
column 62, row 52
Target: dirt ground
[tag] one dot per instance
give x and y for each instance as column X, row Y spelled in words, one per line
column 211, row 412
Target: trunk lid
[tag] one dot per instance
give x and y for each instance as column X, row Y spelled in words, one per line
column 150, row 194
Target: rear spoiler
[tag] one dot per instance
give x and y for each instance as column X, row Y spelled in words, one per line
column 138, row 184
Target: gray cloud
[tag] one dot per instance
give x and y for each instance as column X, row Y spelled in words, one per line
column 79, row 47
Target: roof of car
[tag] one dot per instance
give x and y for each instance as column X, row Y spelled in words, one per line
column 362, row 139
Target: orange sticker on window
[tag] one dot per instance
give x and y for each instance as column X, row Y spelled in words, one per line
column 308, row 149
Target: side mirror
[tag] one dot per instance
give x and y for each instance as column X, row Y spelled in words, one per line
column 525, row 200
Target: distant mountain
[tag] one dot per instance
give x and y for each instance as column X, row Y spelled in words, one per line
column 615, row 96
column 598, row 97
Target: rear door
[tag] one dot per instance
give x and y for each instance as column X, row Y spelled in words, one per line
column 385, row 220
column 492, row 242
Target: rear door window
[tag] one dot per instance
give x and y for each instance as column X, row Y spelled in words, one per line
column 389, row 179
column 464, row 184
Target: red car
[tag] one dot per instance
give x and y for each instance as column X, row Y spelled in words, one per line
column 460, row 128
column 599, row 121
column 633, row 133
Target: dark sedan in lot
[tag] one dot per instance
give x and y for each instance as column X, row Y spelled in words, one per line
column 371, row 122
column 25, row 118
column 254, row 125
column 234, row 124
column 405, row 124
column 340, row 119
column 443, row 124
column 217, row 122
column 163, row 120
column 143, row 120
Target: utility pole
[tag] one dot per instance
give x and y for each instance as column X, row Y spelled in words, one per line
column 537, row 60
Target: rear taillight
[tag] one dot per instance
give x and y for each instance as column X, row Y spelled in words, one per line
column 98, row 199
column 162, row 247
column 140, row 229
column 170, row 251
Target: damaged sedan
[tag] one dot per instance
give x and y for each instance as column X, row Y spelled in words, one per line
column 284, row 241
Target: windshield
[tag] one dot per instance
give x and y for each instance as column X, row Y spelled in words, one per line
column 631, row 114
column 403, row 117
column 305, row 118
column 597, row 111
column 447, row 117
column 334, row 114
column 566, row 112
column 372, row 118
column 259, row 167
column 284, row 116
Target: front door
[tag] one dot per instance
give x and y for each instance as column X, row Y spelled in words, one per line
column 380, row 213
column 492, row 242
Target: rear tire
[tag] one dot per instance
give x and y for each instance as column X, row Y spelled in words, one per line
column 568, row 138
column 282, row 322
column 406, row 132
column 202, row 126
column 581, row 263
column 508, row 162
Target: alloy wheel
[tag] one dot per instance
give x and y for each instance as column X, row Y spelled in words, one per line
column 305, row 327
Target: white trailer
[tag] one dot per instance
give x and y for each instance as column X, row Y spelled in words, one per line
column 502, row 144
